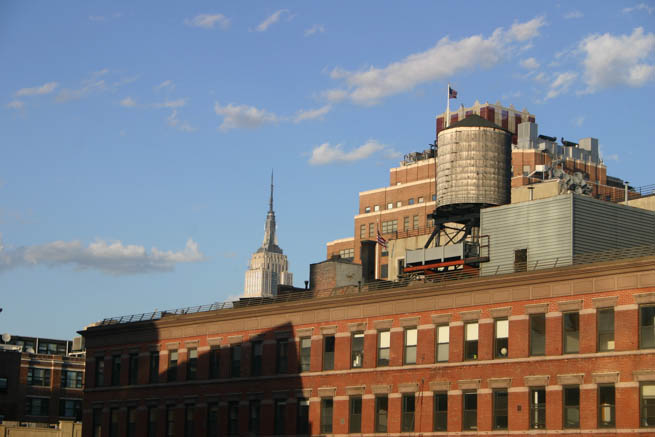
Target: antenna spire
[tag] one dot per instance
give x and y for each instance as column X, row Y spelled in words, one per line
column 270, row 204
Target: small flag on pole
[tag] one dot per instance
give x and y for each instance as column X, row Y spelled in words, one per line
column 381, row 241
column 452, row 94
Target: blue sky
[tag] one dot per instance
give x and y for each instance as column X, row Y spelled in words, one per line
column 138, row 137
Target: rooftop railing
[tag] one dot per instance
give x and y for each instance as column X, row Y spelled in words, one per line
column 434, row 280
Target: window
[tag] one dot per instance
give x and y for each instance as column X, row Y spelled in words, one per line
column 605, row 318
column 116, row 370
column 279, row 422
column 328, row 352
column 192, row 364
column 470, row 410
column 305, row 353
column 501, row 329
column 500, row 409
column 399, row 204
column 443, row 343
column 410, row 346
column 97, row 422
column 133, row 368
column 52, row 348
column 384, row 342
column 434, row 197
column 381, row 413
column 537, row 334
column 171, row 372
column 429, row 221
column 371, row 229
column 154, row 367
column 131, row 422
column 389, row 226
column 410, row 201
column 233, row 418
column 4, row 383
column 282, row 355
column 376, row 208
column 347, row 254
column 606, row 406
column 39, row 377
column 152, row 421
column 113, row 422
column 384, row 270
column 214, row 362
column 70, row 379
column 407, row 415
column 357, row 349
column 520, row 260
column 406, row 223
column 415, row 222
column 571, row 331
column 647, row 400
column 188, row 420
column 100, row 371
column 390, row 205
column 302, row 417
column 70, row 408
column 254, row 418
column 362, row 231
column 235, row 358
column 526, row 170
column 538, row 408
column 326, row 416
column 170, row 421
column 355, row 417
column 440, row 411
column 471, row 341
column 647, row 327
column 37, row 406
column 421, row 200
column 367, row 209
column 571, row 407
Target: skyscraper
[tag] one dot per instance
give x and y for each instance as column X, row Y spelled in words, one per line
column 268, row 265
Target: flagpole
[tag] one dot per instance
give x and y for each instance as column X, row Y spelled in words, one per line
column 447, row 105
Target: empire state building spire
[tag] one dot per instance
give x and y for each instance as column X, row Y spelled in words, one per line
column 270, row 240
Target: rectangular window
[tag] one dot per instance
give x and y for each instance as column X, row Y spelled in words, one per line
column 605, row 319
column 384, row 342
column 500, row 409
column 357, row 349
column 538, row 408
column 279, row 422
column 235, row 358
column 367, row 209
column 113, row 422
column 571, row 407
column 390, row 205
column 501, row 330
column 405, row 224
column 407, row 413
column 171, row 372
column 192, row 364
column 376, row 208
column 100, row 371
column 326, row 416
column 38, row 377
column 409, row 356
column 381, row 413
column 302, row 417
column 215, row 362
column 421, row 200
column 571, row 331
column 233, row 418
column 410, row 201
column 537, row 334
column 70, row 408
column 133, row 368
column 443, row 343
column 97, row 422
column 389, row 226
column 384, row 269
column 256, row 357
column 647, row 404
column 305, row 353
column 526, row 170
column 399, row 204
column 282, row 355
column 152, row 421
column 328, row 352
column 255, row 417
column 647, row 327
column 434, row 197
column 520, row 260
column 116, row 370
column 154, row 367
column 355, row 417
column 362, row 231
column 415, row 222
column 371, row 229
column 471, row 341
column 170, row 421
column 37, row 407
column 469, row 410
column 440, row 411
column 606, row 405
column 188, row 421
column 347, row 254
column 131, row 422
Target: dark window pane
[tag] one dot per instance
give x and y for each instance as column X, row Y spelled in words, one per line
column 606, row 405
column 328, row 352
column 537, row 334
column 357, row 349
column 538, row 408
column 606, row 330
column 355, row 418
column 500, row 409
column 305, row 353
column 408, row 409
column 381, row 413
column 326, row 416
column 470, row 410
column 571, row 330
column 440, row 411
column 647, row 327
column 302, row 417
column 571, row 407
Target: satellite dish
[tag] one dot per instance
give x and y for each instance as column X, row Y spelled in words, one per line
column 6, row 337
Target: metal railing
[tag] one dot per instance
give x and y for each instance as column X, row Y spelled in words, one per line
column 431, row 281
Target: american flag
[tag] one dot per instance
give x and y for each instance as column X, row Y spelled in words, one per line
column 381, row 241
column 452, row 94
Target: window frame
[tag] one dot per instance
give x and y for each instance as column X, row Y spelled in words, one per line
column 609, row 406
column 354, row 417
column 214, row 362
column 439, row 416
column 407, row 348
column 171, row 370
column 642, row 407
column 305, row 355
column 235, row 360
column 302, row 416
column 531, row 336
column 357, row 354
column 600, row 333
column 99, row 371
column 642, row 328
column 281, row 355
column 538, row 408
column 471, row 346
column 407, row 418
column 467, row 419
column 326, row 420
column 381, row 425
column 383, row 362
column 566, row 407
column 116, row 370
column 498, row 412
column 328, row 355
column 153, row 367
column 440, row 343
column 254, row 416
column 192, row 364
column 566, row 347
column 133, row 368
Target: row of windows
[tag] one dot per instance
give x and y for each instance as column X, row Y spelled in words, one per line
column 391, row 226
column 398, row 204
column 68, row 408
column 41, row 377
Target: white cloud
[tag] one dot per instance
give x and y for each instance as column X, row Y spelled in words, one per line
column 561, row 84
column 15, row 104
column 573, row 15
column 174, row 121
column 171, row 104
column 128, row 102
column 208, row 21
column 88, row 87
column 443, row 60
column 530, row 63
column 46, row 88
column 316, row 28
column 639, row 7
column 112, row 258
column 328, row 154
column 618, row 60
column 311, row 114
column 335, row 95
column 167, row 84
column 96, row 18
column 243, row 116
column 272, row 19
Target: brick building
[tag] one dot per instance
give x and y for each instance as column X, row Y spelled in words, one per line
column 568, row 348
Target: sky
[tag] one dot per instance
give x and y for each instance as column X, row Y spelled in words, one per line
column 138, row 138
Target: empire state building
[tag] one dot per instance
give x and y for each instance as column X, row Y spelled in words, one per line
column 268, row 265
